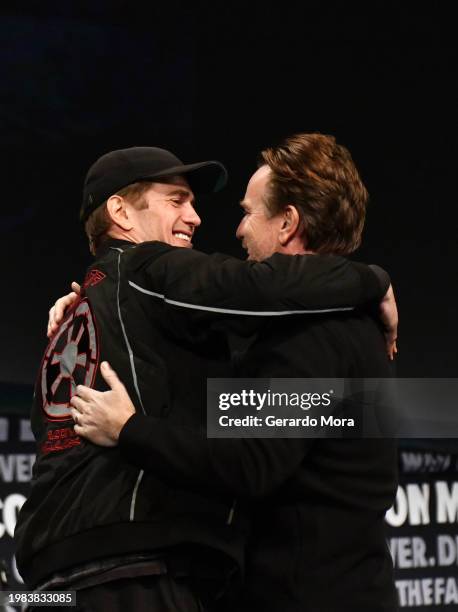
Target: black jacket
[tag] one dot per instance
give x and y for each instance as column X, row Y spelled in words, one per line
column 87, row 502
column 318, row 540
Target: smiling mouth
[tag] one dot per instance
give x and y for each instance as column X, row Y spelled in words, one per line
column 182, row 236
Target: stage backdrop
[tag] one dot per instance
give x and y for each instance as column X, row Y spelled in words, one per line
column 17, row 454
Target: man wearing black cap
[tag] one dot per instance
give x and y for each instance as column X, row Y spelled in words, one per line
column 93, row 522
column 131, row 172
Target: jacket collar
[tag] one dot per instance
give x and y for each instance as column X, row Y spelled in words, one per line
column 113, row 243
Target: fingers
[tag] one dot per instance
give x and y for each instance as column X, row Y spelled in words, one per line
column 62, row 304
column 57, row 312
column 81, row 426
column 76, row 416
column 390, row 320
column 390, row 351
column 391, row 347
column 77, row 403
column 76, row 287
column 84, row 393
column 110, row 376
column 81, row 429
column 78, row 430
column 50, row 330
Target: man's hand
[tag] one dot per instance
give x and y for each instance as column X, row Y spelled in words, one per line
column 99, row 416
column 57, row 312
column 390, row 320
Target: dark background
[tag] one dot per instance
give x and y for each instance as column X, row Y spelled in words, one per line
column 223, row 80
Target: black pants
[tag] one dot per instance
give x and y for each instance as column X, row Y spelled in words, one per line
column 162, row 593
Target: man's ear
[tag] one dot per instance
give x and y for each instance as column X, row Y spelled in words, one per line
column 290, row 226
column 118, row 211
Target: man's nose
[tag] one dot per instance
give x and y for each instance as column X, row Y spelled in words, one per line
column 190, row 216
column 239, row 231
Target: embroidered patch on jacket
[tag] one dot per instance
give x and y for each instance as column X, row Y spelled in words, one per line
column 93, row 277
column 71, row 359
column 59, row 440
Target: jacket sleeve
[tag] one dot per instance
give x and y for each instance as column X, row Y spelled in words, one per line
column 245, row 467
column 299, row 283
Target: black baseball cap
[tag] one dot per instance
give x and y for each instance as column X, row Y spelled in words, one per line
column 120, row 168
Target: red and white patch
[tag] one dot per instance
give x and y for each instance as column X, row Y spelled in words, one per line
column 71, row 359
column 93, row 277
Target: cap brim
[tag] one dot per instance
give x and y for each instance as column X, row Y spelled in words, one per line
column 203, row 177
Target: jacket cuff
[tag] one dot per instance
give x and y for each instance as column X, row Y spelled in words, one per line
column 133, row 435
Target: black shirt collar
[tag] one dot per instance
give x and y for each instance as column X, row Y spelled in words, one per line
column 113, row 243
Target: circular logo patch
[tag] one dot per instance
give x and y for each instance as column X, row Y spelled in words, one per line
column 71, row 359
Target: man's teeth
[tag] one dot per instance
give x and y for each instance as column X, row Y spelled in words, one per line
column 182, row 236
